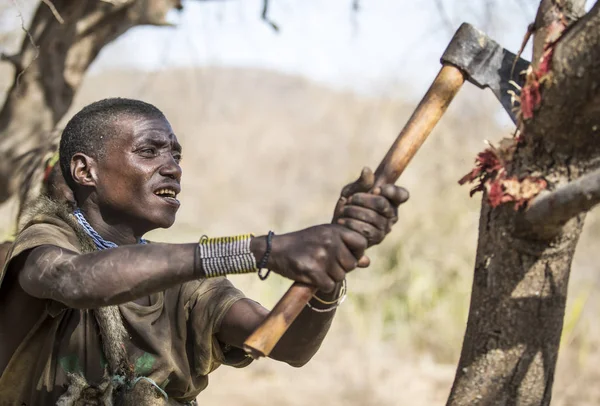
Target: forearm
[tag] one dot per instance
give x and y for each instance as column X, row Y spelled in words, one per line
column 306, row 334
column 109, row 277
column 299, row 343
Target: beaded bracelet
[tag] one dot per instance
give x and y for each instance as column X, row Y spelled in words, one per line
column 263, row 262
column 226, row 255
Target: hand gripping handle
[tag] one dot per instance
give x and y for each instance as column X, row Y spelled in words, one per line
column 429, row 111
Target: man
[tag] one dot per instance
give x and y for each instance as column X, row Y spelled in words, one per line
column 112, row 319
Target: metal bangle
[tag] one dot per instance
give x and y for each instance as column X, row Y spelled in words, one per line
column 341, row 295
column 336, row 304
column 315, row 309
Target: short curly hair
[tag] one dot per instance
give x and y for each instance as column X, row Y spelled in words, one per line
column 88, row 131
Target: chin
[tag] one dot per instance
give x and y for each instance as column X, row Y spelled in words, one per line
column 165, row 221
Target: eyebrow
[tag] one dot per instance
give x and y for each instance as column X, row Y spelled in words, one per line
column 159, row 139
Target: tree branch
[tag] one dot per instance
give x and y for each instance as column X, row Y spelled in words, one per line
column 550, row 211
column 55, row 57
column 265, row 16
column 54, row 11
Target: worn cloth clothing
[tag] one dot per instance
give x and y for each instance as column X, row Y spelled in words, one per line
column 172, row 341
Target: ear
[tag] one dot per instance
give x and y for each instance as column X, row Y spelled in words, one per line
column 83, row 170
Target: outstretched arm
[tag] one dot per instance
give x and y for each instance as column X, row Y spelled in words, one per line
column 371, row 215
column 319, row 255
column 107, row 277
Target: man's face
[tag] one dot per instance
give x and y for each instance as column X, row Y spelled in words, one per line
column 138, row 178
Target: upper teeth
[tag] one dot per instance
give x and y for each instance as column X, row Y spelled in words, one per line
column 168, row 192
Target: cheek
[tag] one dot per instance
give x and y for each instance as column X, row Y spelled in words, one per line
column 120, row 189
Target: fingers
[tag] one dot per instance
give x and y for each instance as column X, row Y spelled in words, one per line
column 347, row 261
column 372, row 234
column 364, row 183
column 355, row 242
column 395, row 194
column 365, row 215
column 325, row 282
column 377, row 203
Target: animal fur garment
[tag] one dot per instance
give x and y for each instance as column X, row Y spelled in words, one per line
column 116, row 388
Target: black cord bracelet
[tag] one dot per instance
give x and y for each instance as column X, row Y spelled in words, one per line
column 263, row 262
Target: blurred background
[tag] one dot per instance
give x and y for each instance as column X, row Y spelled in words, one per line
column 275, row 122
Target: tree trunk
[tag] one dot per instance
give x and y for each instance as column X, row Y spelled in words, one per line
column 522, row 266
column 50, row 66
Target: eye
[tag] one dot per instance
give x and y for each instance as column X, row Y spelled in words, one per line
column 148, row 151
column 177, row 157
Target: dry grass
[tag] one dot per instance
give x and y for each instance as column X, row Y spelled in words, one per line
column 266, row 151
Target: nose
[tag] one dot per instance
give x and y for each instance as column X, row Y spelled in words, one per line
column 171, row 169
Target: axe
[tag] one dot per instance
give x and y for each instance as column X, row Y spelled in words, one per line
column 471, row 55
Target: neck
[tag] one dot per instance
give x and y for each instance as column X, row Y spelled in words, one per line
column 118, row 232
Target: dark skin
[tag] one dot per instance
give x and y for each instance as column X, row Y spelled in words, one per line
column 117, row 193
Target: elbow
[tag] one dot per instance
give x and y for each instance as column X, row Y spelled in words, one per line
column 75, row 300
column 299, row 363
column 296, row 358
column 71, row 296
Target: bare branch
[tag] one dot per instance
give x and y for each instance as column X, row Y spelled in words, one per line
column 265, row 16
column 54, row 11
column 19, row 58
column 551, row 210
column 55, row 58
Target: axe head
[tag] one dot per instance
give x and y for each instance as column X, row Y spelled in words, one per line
column 486, row 64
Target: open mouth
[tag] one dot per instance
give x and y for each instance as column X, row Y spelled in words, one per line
column 168, row 194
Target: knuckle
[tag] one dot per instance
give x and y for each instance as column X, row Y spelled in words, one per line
column 328, row 285
column 321, row 254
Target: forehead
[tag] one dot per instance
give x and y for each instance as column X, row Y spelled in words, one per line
column 134, row 130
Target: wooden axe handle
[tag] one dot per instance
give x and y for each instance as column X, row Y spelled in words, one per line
column 429, row 111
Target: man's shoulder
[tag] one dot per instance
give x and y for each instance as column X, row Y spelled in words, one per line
column 46, row 231
column 43, row 224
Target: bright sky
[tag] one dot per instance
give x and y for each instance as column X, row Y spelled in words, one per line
column 388, row 42
column 385, row 43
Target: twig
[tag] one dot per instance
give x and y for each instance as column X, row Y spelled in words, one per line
column 33, row 44
column 551, row 210
column 54, row 11
column 265, row 16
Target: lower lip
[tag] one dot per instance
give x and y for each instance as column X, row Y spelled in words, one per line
column 171, row 201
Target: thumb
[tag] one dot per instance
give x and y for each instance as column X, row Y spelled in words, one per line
column 364, row 262
column 364, row 183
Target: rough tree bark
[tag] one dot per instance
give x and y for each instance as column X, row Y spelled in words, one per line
column 524, row 257
column 65, row 38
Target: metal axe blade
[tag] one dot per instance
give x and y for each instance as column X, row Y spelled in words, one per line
column 486, row 64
